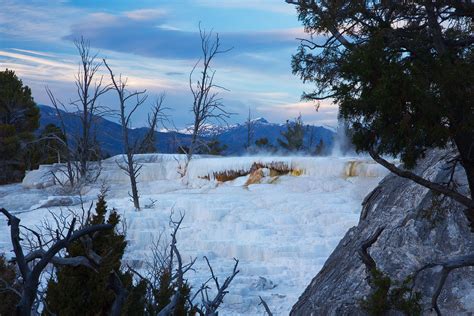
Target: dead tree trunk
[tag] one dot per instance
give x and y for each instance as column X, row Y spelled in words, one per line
column 130, row 166
column 157, row 115
column 168, row 259
column 207, row 105
column 32, row 265
column 82, row 146
column 121, row 294
column 89, row 90
column 464, row 200
column 71, row 171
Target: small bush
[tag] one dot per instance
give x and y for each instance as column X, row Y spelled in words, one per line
column 83, row 291
column 388, row 296
column 8, row 284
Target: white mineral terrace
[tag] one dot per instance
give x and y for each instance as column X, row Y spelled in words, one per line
column 282, row 229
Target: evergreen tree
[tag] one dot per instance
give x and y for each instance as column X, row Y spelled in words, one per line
column 48, row 149
column 148, row 143
column 161, row 295
column 8, row 283
column 52, row 142
column 213, row 147
column 264, row 144
column 11, row 166
column 19, row 118
column 293, row 136
column 401, row 73
column 320, row 148
column 82, row 291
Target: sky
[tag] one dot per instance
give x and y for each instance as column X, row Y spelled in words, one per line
column 155, row 44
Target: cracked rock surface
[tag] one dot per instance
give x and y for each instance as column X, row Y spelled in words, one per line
column 420, row 228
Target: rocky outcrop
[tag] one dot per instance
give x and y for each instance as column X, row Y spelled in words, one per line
column 403, row 227
column 255, row 176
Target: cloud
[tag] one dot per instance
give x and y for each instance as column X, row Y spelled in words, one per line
column 263, row 5
column 156, row 48
column 148, row 34
column 38, row 69
column 32, row 52
column 35, row 66
column 44, row 21
column 145, row 14
column 274, row 97
column 175, row 73
column 34, row 60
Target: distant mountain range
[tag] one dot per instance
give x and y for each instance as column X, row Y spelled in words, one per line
column 109, row 133
column 235, row 136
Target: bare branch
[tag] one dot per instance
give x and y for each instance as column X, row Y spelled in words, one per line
column 130, row 166
column 207, row 106
column 265, row 305
column 447, row 265
column 363, row 253
column 32, row 265
column 211, row 305
column 156, row 116
column 464, row 200
column 121, row 294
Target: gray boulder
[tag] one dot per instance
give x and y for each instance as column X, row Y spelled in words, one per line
column 404, row 227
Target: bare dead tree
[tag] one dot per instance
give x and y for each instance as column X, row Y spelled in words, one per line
column 207, row 105
column 31, row 265
column 82, row 147
column 250, row 130
column 90, row 88
column 181, row 269
column 72, row 168
column 167, row 258
column 210, row 305
column 157, row 116
column 129, row 165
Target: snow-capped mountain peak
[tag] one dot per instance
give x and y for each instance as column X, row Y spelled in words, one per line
column 260, row 120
